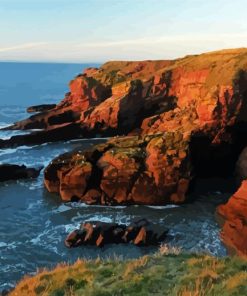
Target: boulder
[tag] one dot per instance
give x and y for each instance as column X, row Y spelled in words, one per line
column 15, row 172
column 129, row 170
column 140, row 233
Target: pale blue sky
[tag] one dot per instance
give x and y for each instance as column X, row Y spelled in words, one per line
column 100, row 30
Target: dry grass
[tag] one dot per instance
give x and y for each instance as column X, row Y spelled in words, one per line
column 223, row 66
column 169, row 250
column 169, row 272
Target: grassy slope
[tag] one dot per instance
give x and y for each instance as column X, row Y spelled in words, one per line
column 223, row 66
column 159, row 274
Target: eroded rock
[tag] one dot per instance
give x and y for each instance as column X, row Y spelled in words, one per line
column 130, row 170
column 140, row 233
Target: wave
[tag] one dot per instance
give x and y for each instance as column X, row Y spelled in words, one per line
column 4, row 124
column 163, row 207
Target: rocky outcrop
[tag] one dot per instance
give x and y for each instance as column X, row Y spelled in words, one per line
column 177, row 114
column 204, row 93
column 40, row 108
column 57, row 133
column 153, row 169
column 85, row 92
column 180, row 115
column 234, row 214
column 15, row 172
column 139, row 233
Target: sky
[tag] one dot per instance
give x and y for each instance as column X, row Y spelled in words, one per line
column 100, row 30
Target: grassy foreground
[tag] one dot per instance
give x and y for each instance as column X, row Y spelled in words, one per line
column 165, row 273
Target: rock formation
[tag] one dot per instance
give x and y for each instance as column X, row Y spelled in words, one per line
column 153, row 169
column 139, row 233
column 176, row 119
column 170, row 121
column 40, row 108
column 234, row 213
column 203, row 93
column 15, row 172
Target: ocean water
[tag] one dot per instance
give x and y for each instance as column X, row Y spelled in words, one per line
column 34, row 223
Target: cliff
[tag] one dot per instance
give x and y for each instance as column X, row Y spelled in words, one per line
column 188, row 107
column 170, row 121
column 188, row 94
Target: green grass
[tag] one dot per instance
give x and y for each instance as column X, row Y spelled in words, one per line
column 165, row 273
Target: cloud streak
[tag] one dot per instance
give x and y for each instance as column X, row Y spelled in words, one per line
column 163, row 40
column 149, row 47
column 23, row 46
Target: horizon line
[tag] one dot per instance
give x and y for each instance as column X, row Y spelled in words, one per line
column 49, row 62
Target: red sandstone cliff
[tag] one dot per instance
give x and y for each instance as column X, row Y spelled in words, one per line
column 182, row 117
column 164, row 107
column 197, row 95
column 234, row 231
column 193, row 93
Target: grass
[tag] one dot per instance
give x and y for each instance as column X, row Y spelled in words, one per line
column 223, row 66
column 168, row 272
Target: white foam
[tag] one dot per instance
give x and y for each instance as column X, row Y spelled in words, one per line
column 13, row 150
column 7, row 151
column 83, row 205
column 70, row 227
column 163, row 207
column 7, row 134
column 4, row 124
column 2, row 244
column 100, row 218
column 62, row 208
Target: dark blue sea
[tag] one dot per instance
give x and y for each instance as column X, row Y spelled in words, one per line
column 34, row 223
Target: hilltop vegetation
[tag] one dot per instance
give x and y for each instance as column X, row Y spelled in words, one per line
column 165, row 273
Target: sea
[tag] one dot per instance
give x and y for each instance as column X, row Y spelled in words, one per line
column 34, row 223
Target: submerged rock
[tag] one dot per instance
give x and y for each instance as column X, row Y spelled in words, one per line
column 15, row 172
column 141, row 233
column 57, row 133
